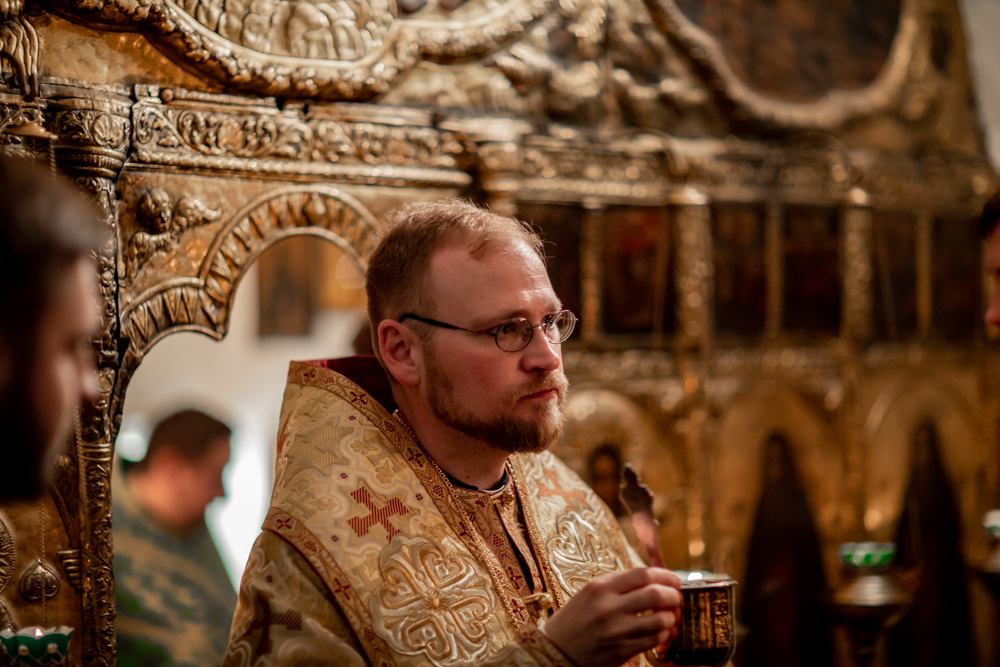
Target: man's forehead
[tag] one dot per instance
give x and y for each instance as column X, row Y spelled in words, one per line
column 493, row 274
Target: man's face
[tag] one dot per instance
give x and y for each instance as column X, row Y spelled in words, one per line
column 63, row 371
column 993, row 267
column 512, row 401
column 200, row 482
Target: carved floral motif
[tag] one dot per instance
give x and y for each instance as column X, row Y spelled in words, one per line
column 162, row 132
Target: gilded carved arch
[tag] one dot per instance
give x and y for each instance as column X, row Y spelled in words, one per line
column 737, row 476
column 888, row 432
column 203, row 302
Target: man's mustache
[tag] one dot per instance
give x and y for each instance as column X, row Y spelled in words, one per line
column 556, row 380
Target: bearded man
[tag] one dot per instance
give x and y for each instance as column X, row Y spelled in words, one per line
column 48, row 317
column 417, row 518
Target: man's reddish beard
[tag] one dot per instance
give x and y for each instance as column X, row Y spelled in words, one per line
column 504, row 432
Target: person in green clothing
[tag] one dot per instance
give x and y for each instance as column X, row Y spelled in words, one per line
column 175, row 600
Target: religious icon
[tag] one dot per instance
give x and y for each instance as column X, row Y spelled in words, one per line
column 781, row 602
column 935, row 631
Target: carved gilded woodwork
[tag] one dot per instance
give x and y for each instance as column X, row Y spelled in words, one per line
column 594, row 104
column 330, row 50
column 886, row 94
column 372, row 145
column 202, row 301
column 19, row 45
column 856, row 322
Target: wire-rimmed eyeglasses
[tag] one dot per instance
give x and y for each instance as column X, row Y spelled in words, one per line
column 515, row 334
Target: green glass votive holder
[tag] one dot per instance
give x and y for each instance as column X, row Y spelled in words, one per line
column 34, row 646
column 867, row 554
column 991, row 522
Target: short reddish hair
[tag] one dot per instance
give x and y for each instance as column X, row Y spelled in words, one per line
column 411, row 234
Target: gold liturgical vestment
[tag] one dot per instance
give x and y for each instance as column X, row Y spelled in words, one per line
column 370, row 556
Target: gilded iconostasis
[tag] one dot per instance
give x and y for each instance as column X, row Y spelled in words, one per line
column 764, row 214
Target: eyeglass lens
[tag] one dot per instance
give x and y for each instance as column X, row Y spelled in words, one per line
column 516, row 334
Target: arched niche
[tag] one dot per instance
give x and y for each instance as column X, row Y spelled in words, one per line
column 203, row 302
column 595, row 417
column 888, row 431
column 737, row 476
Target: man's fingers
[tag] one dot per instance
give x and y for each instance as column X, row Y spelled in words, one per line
column 655, row 627
column 641, row 644
column 656, row 596
column 643, row 576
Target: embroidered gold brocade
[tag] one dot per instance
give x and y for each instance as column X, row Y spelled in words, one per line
column 426, row 573
column 496, row 514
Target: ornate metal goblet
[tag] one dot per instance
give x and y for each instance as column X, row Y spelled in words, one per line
column 871, row 600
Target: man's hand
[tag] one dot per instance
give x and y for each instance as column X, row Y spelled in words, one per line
column 617, row 616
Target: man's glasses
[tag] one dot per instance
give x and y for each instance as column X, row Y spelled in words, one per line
column 515, row 334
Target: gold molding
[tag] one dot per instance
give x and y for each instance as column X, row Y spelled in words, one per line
column 336, row 55
column 833, row 110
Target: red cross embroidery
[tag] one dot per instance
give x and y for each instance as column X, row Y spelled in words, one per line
column 379, row 512
column 340, row 588
column 284, row 524
column 571, row 497
column 517, row 606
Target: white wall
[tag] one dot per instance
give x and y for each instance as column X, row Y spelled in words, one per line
column 241, row 380
column 981, row 19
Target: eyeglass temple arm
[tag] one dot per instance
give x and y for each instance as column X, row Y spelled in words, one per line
column 427, row 320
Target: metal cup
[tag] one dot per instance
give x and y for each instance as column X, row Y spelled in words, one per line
column 707, row 624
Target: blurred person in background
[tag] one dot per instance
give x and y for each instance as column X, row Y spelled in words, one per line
column 49, row 234
column 175, row 600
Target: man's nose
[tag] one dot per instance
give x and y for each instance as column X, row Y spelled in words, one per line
column 541, row 354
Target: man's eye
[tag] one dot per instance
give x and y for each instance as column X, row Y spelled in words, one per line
column 507, row 328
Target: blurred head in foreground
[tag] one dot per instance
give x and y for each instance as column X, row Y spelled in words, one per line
column 49, row 314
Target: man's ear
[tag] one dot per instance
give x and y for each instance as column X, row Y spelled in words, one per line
column 402, row 352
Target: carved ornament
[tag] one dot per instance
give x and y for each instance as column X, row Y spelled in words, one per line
column 202, row 302
column 162, row 223
column 554, row 169
column 19, row 45
column 183, row 129
column 39, row 581
column 73, row 566
column 331, row 49
column 830, row 112
column 8, row 556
